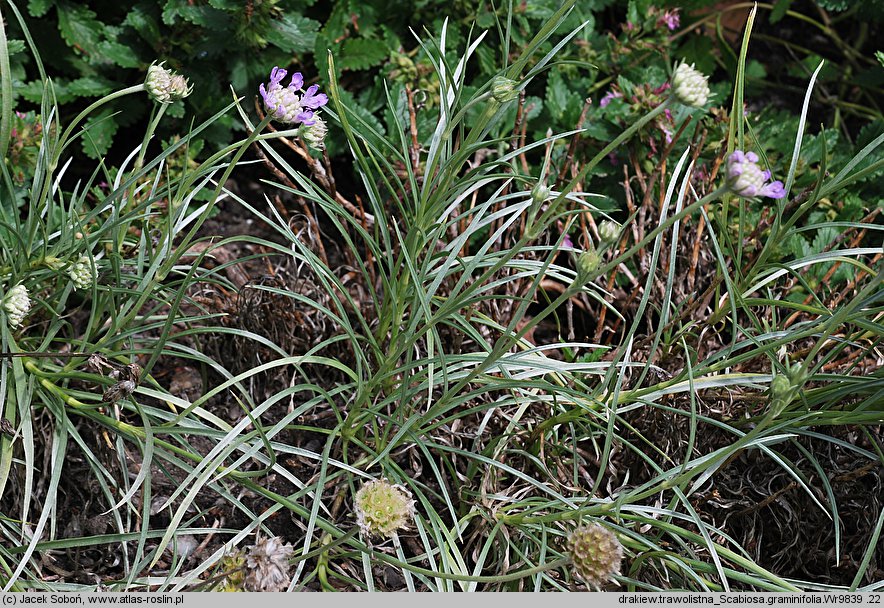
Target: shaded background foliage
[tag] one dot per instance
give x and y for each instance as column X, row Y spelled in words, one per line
column 92, row 48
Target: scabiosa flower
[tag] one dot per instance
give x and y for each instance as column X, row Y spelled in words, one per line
column 82, row 273
column 745, row 178
column 690, row 86
column 285, row 104
column 596, row 554
column 314, row 133
column 165, row 86
column 16, row 304
column 268, row 565
column 382, row 508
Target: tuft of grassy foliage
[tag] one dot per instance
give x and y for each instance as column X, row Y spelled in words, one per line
column 438, row 296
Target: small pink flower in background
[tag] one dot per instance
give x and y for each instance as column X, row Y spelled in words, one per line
column 567, row 242
column 609, row 97
column 671, row 19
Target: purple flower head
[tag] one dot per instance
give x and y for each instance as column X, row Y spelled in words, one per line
column 745, row 178
column 285, row 105
column 609, row 97
column 567, row 242
column 670, row 19
column 312, row 100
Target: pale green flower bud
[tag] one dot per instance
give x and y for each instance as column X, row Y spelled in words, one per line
column 314, row 134
column 608, row 231
column 596, row 554
column 165, row 86
column 587, row 264
column 82, row 273
column 503, row 89
column 540, row 193
column 382, row 508
column 690, row 86
column 16, row 304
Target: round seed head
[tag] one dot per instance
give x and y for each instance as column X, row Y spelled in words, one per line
column 596, row 554
column 268, row 565
column 382, row 508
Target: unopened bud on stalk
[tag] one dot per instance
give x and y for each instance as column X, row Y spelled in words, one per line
column 540, row 193
column 690, row 86
column 16, row 304
column 503, row 89
column 314, row 134
column 165, row 86
column 82, row 273
column 587, row 264
column 608, row 231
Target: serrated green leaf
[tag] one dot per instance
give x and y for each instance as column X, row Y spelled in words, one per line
column 89, row 86
column 141, row 19
column 119, row 54
column 99, row 135
column 361, row 54
column 38, row 8
column 80, row 30
column 779, row 10
column 14, row 46
column 175, row 110
column 558, row 95
column 293, row 34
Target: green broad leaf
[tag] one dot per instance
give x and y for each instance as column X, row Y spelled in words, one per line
column 99, row 134
column 118, row 54
column 207, row 17
column 293, row 34
column 89, row 86
column 38, row 8
column 172, row 10
column 33, row 91
column 823, row 238
column 141, row 19
column 558, row 95
column 880, row 57
column 80, row 30
column 175, row 109
column 361, row 54
column 14, row 46
column 779, row 10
